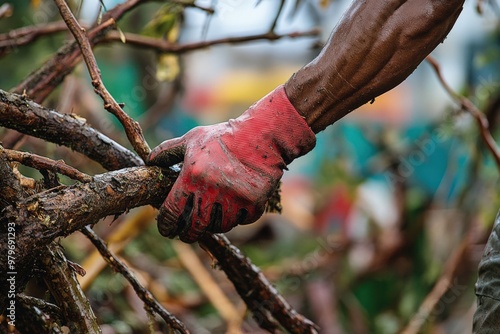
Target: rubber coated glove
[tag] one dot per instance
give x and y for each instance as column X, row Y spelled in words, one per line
column 230, row 169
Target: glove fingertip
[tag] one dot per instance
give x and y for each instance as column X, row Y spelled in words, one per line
column 167, row 223
column 168, row 153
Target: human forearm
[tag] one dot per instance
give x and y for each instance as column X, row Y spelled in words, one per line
column 375, row 47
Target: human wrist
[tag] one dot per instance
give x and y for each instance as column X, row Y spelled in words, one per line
column 275, row 121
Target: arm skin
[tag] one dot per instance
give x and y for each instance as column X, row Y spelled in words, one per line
column 230, row 169
column 375, row 47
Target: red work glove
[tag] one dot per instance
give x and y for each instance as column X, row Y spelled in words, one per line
column 230, row 169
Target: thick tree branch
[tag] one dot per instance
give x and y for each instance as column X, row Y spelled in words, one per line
column 58, row 212
column 37, row 316
column 132, row 128
column 12, row 191
column 149, row 300
column 27, row 117
column 259, row 295
column 64, row 287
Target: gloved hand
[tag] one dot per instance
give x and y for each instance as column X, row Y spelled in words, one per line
column 230, row 169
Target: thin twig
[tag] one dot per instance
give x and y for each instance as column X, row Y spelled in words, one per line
column 39, row 162
column 165, row 46
column 116, row 242
column 26, row 35
column 209, row 10
column 132, row 128
column 466, row 104
column 444, row 284
column 276, row 18
column 144, row 294
column 190, row 260
column 40, row 83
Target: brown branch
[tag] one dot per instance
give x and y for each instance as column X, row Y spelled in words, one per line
column 259, row 295
column 61, row 280
column 132, row 128
column 444, row 284
column 39, row 84
column 466, row 104
column 25, row 35
column 118, row 266
column 37, row 316
column 276, row 18
column 60, row 211
column 30, row 118
column 39, row 162
column 165, row 46
column 12, row 192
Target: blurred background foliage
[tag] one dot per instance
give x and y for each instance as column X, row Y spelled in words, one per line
column 372, row 218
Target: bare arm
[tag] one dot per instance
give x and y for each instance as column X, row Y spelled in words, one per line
column 375, row 47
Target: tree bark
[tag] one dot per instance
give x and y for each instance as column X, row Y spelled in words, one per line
column 28, row 117
column 58, row 212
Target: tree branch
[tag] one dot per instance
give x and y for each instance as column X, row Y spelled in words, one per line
column 23, row 115
column 259, row 295
column 64, row 287
column 39, row 162
column 132, row 128
column 26, row 35
column 163, row 45
column 60, row 211
column 37, row 316
column 39, row 84
column 11, row 188
column 466, row 104
column 118, row 266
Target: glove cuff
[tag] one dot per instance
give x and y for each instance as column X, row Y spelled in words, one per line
column 275, row 119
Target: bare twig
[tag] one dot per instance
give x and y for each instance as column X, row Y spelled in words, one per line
column 26, row 35
column 39, row 84
column 208, row 10
column 442, row 286
column 25, row 116
column 466, row 104
column 132, row 128
column 39, row 162
column 116, row 242
column 219, row 300
column 276, row 18
column 144, row 294
column 165, row 46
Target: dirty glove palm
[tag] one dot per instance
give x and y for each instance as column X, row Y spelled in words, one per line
column 230, row 169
